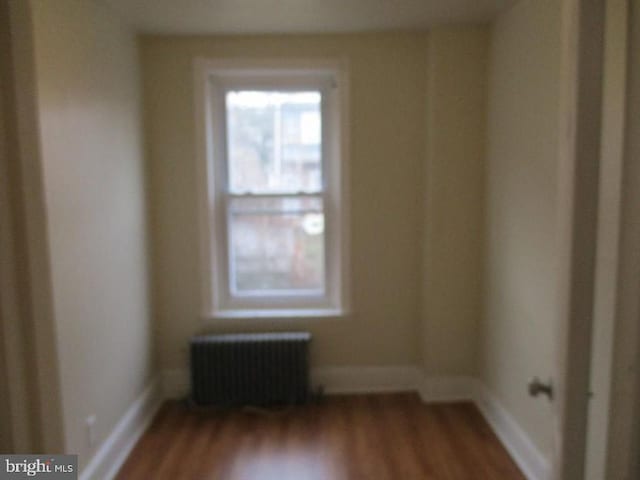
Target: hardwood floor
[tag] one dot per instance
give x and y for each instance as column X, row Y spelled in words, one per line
column 366, row 437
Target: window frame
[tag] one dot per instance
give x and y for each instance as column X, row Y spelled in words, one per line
column 213, row 79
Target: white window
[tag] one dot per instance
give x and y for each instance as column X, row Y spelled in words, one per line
column 272, row 172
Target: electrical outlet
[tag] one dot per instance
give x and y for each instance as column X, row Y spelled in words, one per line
column 90, row 423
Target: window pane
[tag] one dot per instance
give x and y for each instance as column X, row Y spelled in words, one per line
column 277, row 251
column 274, row 141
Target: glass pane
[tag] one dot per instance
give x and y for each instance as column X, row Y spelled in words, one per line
column 276, row 251
column 274, row 141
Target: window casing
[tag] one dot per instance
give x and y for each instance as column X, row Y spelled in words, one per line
column 272, row 174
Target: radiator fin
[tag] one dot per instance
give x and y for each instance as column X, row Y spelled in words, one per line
column 250, row 369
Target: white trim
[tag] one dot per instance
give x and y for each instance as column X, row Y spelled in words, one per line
column 359, row 379
column 531, row 461
column 115, row 449
column 275, row 314
column 334, row 380
column 580, row 119
column 623, row 456
column 211, row 76
column 366, row 379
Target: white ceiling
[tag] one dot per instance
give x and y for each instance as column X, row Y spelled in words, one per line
column 293, row 16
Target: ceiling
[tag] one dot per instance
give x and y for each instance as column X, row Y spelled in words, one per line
column 299, row 16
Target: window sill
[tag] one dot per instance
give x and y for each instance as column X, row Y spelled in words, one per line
column 283, row 314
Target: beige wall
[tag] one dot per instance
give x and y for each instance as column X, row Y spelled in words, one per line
column 87, row 72
column 386, row 134
column 417, row 135
column 520, row 322
column 454, row 197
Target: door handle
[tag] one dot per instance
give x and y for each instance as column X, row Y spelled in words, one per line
column 537, row 387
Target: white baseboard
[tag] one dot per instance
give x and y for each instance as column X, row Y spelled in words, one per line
column 359, row 379
column 334, row 380
column 113, row 452
column 531, row 461
column 367, row 379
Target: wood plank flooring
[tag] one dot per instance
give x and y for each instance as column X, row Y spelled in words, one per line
column 365, row 437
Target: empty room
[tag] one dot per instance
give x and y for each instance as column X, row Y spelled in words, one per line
column 320, row 239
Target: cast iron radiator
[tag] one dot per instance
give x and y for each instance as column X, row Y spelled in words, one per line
column 250, row 369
